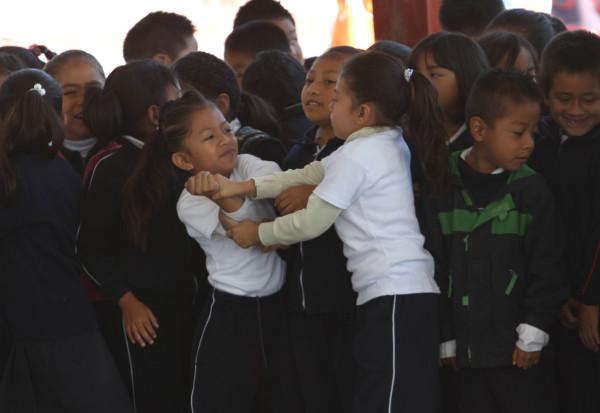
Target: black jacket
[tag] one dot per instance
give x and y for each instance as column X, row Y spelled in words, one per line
column 572, row 170
column 497, row 267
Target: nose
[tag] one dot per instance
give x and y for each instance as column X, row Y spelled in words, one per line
column 576, row 108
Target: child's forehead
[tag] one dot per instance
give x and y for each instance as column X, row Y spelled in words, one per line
column 581, row 82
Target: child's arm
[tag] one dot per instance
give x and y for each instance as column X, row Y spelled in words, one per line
column 206, row 184
column 293, row 199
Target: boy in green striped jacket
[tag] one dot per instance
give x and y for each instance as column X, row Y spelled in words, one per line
column 498, row 245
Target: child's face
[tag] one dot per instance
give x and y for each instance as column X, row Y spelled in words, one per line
column 509, row 143
column 574, row 101
column 524, row 62
column 444, row 81
column 290, row 31
column 238, row 61
column 73, row 79
column 211, row 145
column 343, row 111
column 319, row 89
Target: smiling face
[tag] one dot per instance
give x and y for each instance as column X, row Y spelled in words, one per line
column 509, row 142
column 574, row 101
column 210, row 145
column 318, row 91
column 73, row 78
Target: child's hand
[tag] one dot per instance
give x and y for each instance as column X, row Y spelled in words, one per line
column 245, row 234
column 293, row 199
column 588, row 326
column 139, row 320
column 203, row 183
column 566, row 316
column 449, row 362
column 525, row 359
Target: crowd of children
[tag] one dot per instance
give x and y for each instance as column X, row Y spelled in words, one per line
column 389, row 230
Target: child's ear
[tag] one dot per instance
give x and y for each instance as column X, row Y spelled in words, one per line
column 223, row 102
column 478, row 128
column 364, row 114
column 153, row 113
column 182, row 161
column 162, row 58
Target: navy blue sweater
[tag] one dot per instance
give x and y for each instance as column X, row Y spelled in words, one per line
column 41, row 291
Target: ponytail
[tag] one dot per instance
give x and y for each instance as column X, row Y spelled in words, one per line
column 102, row 114
column 258, row 113
column 425, row 128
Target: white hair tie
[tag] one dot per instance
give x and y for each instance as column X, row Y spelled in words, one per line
column 407, row 74
column 38, row 88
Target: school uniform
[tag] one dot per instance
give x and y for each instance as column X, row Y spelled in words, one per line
column 241, row 355
column 365, row 187
column 165, row 277
column 497, row 243
column 294, row 124
column 258, row 143
column 571, row 166
column 321, row 305
column 58, row 361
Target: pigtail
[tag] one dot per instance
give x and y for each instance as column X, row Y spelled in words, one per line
column 102, row 114
column 257, row 112
column 425, row 128
column 30, row 127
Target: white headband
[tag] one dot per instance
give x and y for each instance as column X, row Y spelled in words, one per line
column 38, row 88
column 407, row 74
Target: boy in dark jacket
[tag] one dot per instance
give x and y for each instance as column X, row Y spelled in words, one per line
column 497, row 241
column 567, row 154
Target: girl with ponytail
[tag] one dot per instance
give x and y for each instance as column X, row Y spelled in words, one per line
column 58, row 361
column 365, row 189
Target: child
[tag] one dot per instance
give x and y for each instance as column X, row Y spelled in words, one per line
column 271, row 11
column 568, row 155
column 241, row 355
column 496, row 239
column 278, row 78
column 321, row 302
column 505, row 49
column 469, row 17
column 59, row 362
column 246, row 41
column 160, row 36
column 365, row 188
column 133, row 246
column 210, row 76
column 452, row 61
column 75, row 70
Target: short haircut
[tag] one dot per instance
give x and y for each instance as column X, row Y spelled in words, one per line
column 496, row 90
column 558, row 26
column 496, row 45
column 532, row 25
column 392, row 48
column 255, row 37
column 261, row 10
column 458, row 53
column 9, row 64
column 276, row 77
column 340, row 52
column 468, row 16
column 54, row 66
column 158, row 32
column 210, row 76
column 570, row 52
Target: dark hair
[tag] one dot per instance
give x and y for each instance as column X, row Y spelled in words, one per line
column 558, row 26
column 570, row 52
column 210, row 76
column 9, row 64
column 129, row 91
column 496, row 45
column 392, row 48
column 469, row 17
column 497, row 89
column 27, row 56
column 277, row 77
column 158, row 32
column 532, row 25
column 54, row 66
column 154, row 177
column 261, row 10
column 30, row 122
column 257, row 36
column 458, row 53
column 379, row 78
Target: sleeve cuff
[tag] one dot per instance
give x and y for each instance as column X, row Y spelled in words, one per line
column 531, row 338
column 266, row 234
column 448, row 349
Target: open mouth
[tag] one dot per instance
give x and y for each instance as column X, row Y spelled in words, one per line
column 79, row 116
column 313, row 104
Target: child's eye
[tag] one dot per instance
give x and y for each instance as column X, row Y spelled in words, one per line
column 330, row 82
column 563, row 100
column 209, row 137
column 518, row 133
column 308, row 81
column 590, row 101
column 68, row 92
column 228, row 130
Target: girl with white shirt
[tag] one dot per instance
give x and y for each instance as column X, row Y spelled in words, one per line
column 365, row 189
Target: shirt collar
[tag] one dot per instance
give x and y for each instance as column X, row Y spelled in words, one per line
column 235, row 125
column 136, row 142
column 369, row 130
column 466, row 153
column 457, row 134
